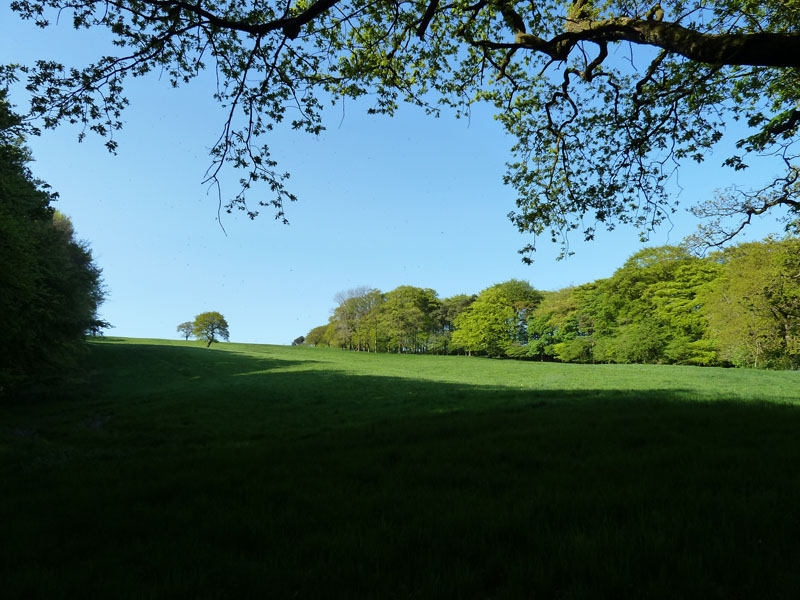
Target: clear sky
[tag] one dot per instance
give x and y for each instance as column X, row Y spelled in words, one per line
column 383, row 202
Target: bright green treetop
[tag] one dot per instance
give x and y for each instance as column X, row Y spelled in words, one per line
column 408, row 316
column 488, row 325
column 316, row 335
column 754, row 307
column 209, row 326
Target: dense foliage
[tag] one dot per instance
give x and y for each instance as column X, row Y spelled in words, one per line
column 50, row 289
column 740, row 306
column 604, row 99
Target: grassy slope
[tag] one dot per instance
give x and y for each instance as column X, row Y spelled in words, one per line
column 170, row 470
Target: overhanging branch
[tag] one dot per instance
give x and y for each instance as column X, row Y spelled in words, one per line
column 290, row 26
column 753, row 49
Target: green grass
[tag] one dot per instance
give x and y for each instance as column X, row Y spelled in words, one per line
column 165, row 470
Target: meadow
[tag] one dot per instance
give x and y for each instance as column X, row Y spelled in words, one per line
column 167, row 470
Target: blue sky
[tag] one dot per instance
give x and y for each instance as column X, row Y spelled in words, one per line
column 382, row 202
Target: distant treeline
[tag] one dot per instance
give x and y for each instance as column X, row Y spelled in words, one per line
column 739, row 307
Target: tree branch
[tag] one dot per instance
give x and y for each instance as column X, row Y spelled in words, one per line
column 754, row 49
column 290, row 26
column 427, row 18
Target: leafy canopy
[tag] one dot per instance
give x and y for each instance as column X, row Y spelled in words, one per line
column 210, row 326
column 488, row 325
column 740, row 307
column 50, row 287
column 604, row 98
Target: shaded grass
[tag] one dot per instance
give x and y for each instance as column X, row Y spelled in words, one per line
column 167, row 470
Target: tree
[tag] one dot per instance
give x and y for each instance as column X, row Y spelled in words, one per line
column 316, row 335
column 448, row 311
column 554, row 321
column 754, row 306
column 598, row 136
column 355, row 319
column 650, row 310
column 50, row 288
column 523, row 298
column 331, row 336
column 678, row 302
column 298, row 341
column 186, row 329
column 210, row 325
column 407, row 318
column 496, row 322
column 368, row 330
column 488, row 325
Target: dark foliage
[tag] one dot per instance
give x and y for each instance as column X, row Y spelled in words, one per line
column 50, row 289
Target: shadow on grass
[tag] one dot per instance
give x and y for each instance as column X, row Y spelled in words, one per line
column 246, row 476
column 143, row 369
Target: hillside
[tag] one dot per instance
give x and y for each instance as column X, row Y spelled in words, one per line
column 165, row 469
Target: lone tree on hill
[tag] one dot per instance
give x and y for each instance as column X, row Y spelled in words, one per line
column 186, row 329
column 209, row 326
column 605, row 98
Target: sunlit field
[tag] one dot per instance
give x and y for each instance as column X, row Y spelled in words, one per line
column 165, row 469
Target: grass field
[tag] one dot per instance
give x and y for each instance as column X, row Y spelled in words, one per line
column 165, row 470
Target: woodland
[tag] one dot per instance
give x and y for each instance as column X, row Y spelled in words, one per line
column 736, row 307
column 50, row 287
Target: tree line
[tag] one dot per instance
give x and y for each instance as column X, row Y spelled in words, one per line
column 736, row 307
column 50, row 288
